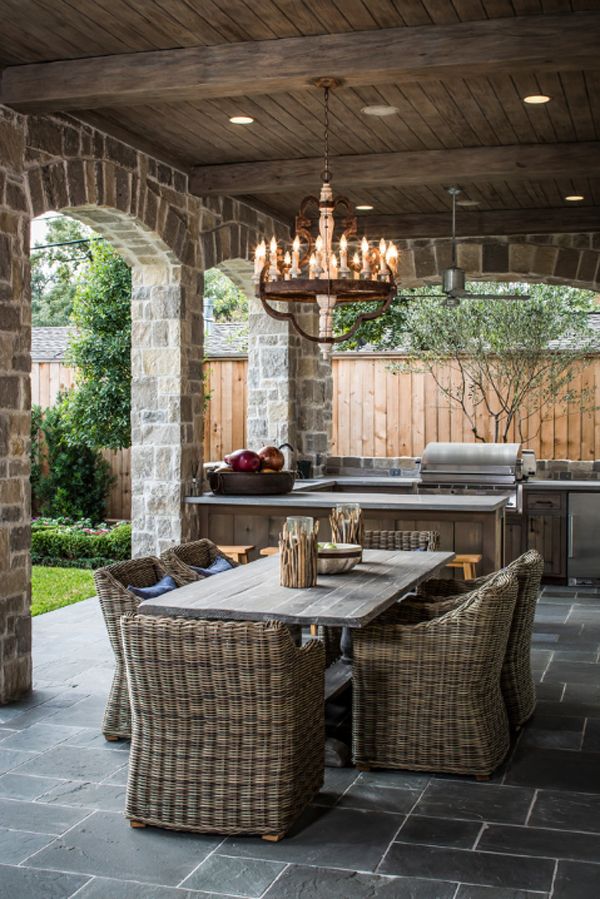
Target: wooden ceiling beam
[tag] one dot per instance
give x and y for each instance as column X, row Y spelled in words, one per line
column 411, row 167
column 542, row 42
column 479, row 223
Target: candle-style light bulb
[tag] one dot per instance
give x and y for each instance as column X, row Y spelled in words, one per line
column 383, row 269
column 273, row 270
column 364, row 248
column 391, row 257
column 356, row 266
column 344, row 270
column 287, row 264
column 260, row 254
column 295, row 270
column 333, row 266
column 312, row 266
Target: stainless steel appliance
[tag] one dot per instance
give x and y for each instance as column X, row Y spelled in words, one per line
column 583, row 539
column 475, row 468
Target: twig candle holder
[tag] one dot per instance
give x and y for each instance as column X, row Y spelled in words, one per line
column 298, row 553
column 347, row 524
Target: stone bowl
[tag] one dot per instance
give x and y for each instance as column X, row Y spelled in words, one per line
column 252, row 483
column 337, row 558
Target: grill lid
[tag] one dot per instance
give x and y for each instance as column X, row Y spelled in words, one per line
column 477, row 463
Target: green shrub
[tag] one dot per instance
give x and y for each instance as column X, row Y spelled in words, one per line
column 67, row 480
column 59, row 545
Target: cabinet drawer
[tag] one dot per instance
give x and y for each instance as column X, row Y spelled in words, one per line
column 545, row 502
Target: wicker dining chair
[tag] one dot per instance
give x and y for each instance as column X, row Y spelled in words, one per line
column 407, row 540
column 228, row 725
column 202, row 553
column 518, row 686
column 115, row 600
column 426, row 696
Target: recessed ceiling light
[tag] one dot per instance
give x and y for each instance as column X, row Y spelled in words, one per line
column 380, row 110
column 466, row 202
column 364, row 208
column 241, row 119
column 574, row 198
column 537, row 99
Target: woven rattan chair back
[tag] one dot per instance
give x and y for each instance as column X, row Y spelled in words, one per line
column 427, row 695
column 116, row 600
column 202, row 553
column 518, row 685
column 407, row 540
column 228, row 724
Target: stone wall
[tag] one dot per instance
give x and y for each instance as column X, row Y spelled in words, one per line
column 169, row 237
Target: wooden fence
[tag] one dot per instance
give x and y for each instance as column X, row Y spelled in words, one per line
column 376, row 412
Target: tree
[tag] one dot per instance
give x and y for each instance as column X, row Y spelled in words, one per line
column 505, row 363
column 99, row 408
column 229, row 303
column 55, row 270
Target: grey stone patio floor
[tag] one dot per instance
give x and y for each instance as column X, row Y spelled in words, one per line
column 533, row 832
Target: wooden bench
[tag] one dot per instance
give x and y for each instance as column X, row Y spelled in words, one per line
column 237, row 553
column 466, row 561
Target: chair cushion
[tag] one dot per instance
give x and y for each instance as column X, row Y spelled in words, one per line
column 165, row 585
column 220, row 564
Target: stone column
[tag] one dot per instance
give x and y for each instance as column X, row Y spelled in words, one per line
column 166, row 403
column 15, row 415
column 289, row 386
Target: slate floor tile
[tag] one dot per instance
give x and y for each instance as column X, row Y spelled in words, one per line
column 92, row 738
column 591, row 739
column 39, row 737
column 540, row 842
column 106, row 888
column 469, row 891
column 574, row 673
column 576, row 880
column 439, row 832
column 335, row 837
column 13, row 758
column 27, row 883
column 379, row 799
column 323, row 883
column 25, row 786
column 106, row 797
column 401, row 780
column 246, row 877
column 337, row 781
column 72, row 763
column 550, row 691
column 473, row 801
column 555, row 769
column 105, row 844
column 493, row 869
column 17, row 845
column 566, row 811
column 553, row 732
column 34, row 816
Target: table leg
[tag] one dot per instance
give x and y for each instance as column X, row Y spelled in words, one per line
column 346, row 645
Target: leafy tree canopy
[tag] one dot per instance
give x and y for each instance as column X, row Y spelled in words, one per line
column 229, row 303
column 99, row 409
column 55, row 270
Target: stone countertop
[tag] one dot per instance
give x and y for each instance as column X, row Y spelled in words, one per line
column 329, row 483
column 324, row 500
column 566, row 486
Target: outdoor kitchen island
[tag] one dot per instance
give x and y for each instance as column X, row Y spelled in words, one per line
column 466, row 524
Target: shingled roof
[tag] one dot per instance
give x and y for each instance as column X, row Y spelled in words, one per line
column 222, row 339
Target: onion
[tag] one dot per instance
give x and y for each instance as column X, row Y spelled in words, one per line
column 272, row 458
column 244, row 460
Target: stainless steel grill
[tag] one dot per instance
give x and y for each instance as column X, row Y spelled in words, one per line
column 477, row 468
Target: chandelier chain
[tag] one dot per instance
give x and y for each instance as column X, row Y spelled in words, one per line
column 326, row 172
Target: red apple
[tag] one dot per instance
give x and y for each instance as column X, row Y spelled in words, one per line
column 244, row 460
column 272, row 458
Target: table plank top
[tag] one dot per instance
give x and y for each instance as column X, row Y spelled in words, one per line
column 252, row 592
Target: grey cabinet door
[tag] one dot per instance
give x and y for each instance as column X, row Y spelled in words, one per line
column 583, row 536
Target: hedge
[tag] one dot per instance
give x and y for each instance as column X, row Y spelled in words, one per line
column 61, row 546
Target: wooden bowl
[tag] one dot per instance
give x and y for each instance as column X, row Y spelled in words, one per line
column 337, row 558
column 254, row 483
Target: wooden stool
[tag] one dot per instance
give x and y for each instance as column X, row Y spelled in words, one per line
column 269, row 550
column 237, row 553
column 466, row 561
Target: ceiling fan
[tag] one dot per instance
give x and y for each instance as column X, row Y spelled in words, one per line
column 454, row 278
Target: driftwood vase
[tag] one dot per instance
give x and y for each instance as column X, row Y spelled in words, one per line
column 347, row 524
column 298, row 553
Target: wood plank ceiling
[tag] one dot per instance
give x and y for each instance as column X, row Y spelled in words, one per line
column 444, row 112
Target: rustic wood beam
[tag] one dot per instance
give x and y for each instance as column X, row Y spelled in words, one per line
column 260, row 67
column 479, row 223
column 410, row 167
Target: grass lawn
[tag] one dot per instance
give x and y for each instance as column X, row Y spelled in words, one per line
column 52, row 588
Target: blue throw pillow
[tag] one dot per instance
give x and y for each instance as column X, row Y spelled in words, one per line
column 220, row 564
column 165, row 585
